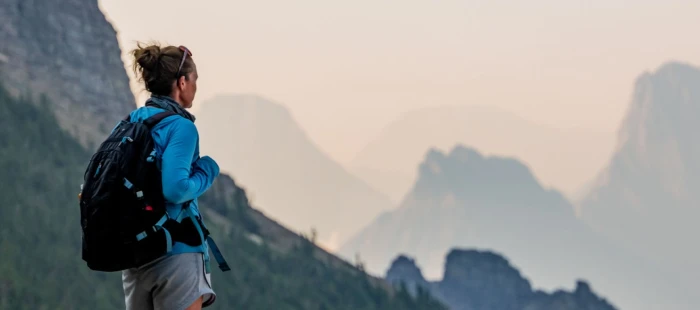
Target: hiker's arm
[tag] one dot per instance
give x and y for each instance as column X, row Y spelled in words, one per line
column 182, row 182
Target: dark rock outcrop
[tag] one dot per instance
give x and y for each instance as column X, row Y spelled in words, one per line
column 484, row 280
column 404, row 269
column 69, row 52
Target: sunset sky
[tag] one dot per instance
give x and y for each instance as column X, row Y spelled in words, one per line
column 346, row 69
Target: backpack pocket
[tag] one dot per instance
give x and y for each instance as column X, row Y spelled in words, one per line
column 154, row 245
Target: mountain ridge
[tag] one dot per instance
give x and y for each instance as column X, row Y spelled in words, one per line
column 258, row 140
column 466, row 199
column 388, row 162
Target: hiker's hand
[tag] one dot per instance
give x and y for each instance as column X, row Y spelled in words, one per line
column 207, row 165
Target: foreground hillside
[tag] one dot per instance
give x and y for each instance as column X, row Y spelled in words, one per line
column 41, row 168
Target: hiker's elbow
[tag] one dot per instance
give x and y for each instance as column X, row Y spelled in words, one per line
column 176, row 192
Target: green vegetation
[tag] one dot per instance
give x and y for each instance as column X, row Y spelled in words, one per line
column 41, row 170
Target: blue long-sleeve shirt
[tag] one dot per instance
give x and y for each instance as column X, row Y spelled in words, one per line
column 185, row 175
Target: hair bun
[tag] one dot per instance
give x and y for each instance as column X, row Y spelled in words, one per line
column 147, row 57
column 157, row 65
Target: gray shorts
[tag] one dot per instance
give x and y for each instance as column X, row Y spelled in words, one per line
column 170, row 282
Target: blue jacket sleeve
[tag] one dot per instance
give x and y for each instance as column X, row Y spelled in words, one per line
column 182, row 180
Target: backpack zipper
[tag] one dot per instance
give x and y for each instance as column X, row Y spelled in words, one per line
column 125, row 139
column 97, row 171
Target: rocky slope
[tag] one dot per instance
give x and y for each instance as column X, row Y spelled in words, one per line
column 289, row 177
column 647, row 197
column 69, row 52
column 484, row 280
column 465, row 199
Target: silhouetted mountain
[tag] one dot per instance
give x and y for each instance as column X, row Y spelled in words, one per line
column 484, row 280
column 68, row 51
column 463, row 199
column 388, row 162
column 647, row 197
column 404, row 269
column 291, row 179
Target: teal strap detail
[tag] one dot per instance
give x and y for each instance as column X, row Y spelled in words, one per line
column 201, row 234
column 169, row 240
column 162, row 221
column 196, row 225
column 151, row 157
column 215, row 249
column 223, row 265
column 159, row 225
column 128, row 184
column 97, row 171
column 141, row 235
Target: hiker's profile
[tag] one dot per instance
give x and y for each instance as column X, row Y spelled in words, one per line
column 139, row 211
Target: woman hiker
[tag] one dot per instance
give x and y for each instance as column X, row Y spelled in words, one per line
column 181, row 279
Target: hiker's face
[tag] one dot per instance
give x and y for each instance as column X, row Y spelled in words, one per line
column 187, row 88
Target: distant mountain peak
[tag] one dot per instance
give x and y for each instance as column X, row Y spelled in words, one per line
column 675, row 66
column 258, row 141
column 650, row 182
column 664, row 106
column 251, row 103
column 463, row 154
column 389, row 161
column 467, row 171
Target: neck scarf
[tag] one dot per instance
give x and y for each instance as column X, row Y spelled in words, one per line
column 167, row 103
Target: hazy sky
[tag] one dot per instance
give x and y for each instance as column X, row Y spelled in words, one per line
column 346, row 69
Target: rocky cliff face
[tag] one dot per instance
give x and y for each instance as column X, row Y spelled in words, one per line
column 484, row 280
column 68, row 51
column 647, row 197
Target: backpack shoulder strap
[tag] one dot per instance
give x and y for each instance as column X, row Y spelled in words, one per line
column 155, row 119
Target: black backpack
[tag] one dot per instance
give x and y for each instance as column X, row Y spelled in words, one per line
column 122, row 208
